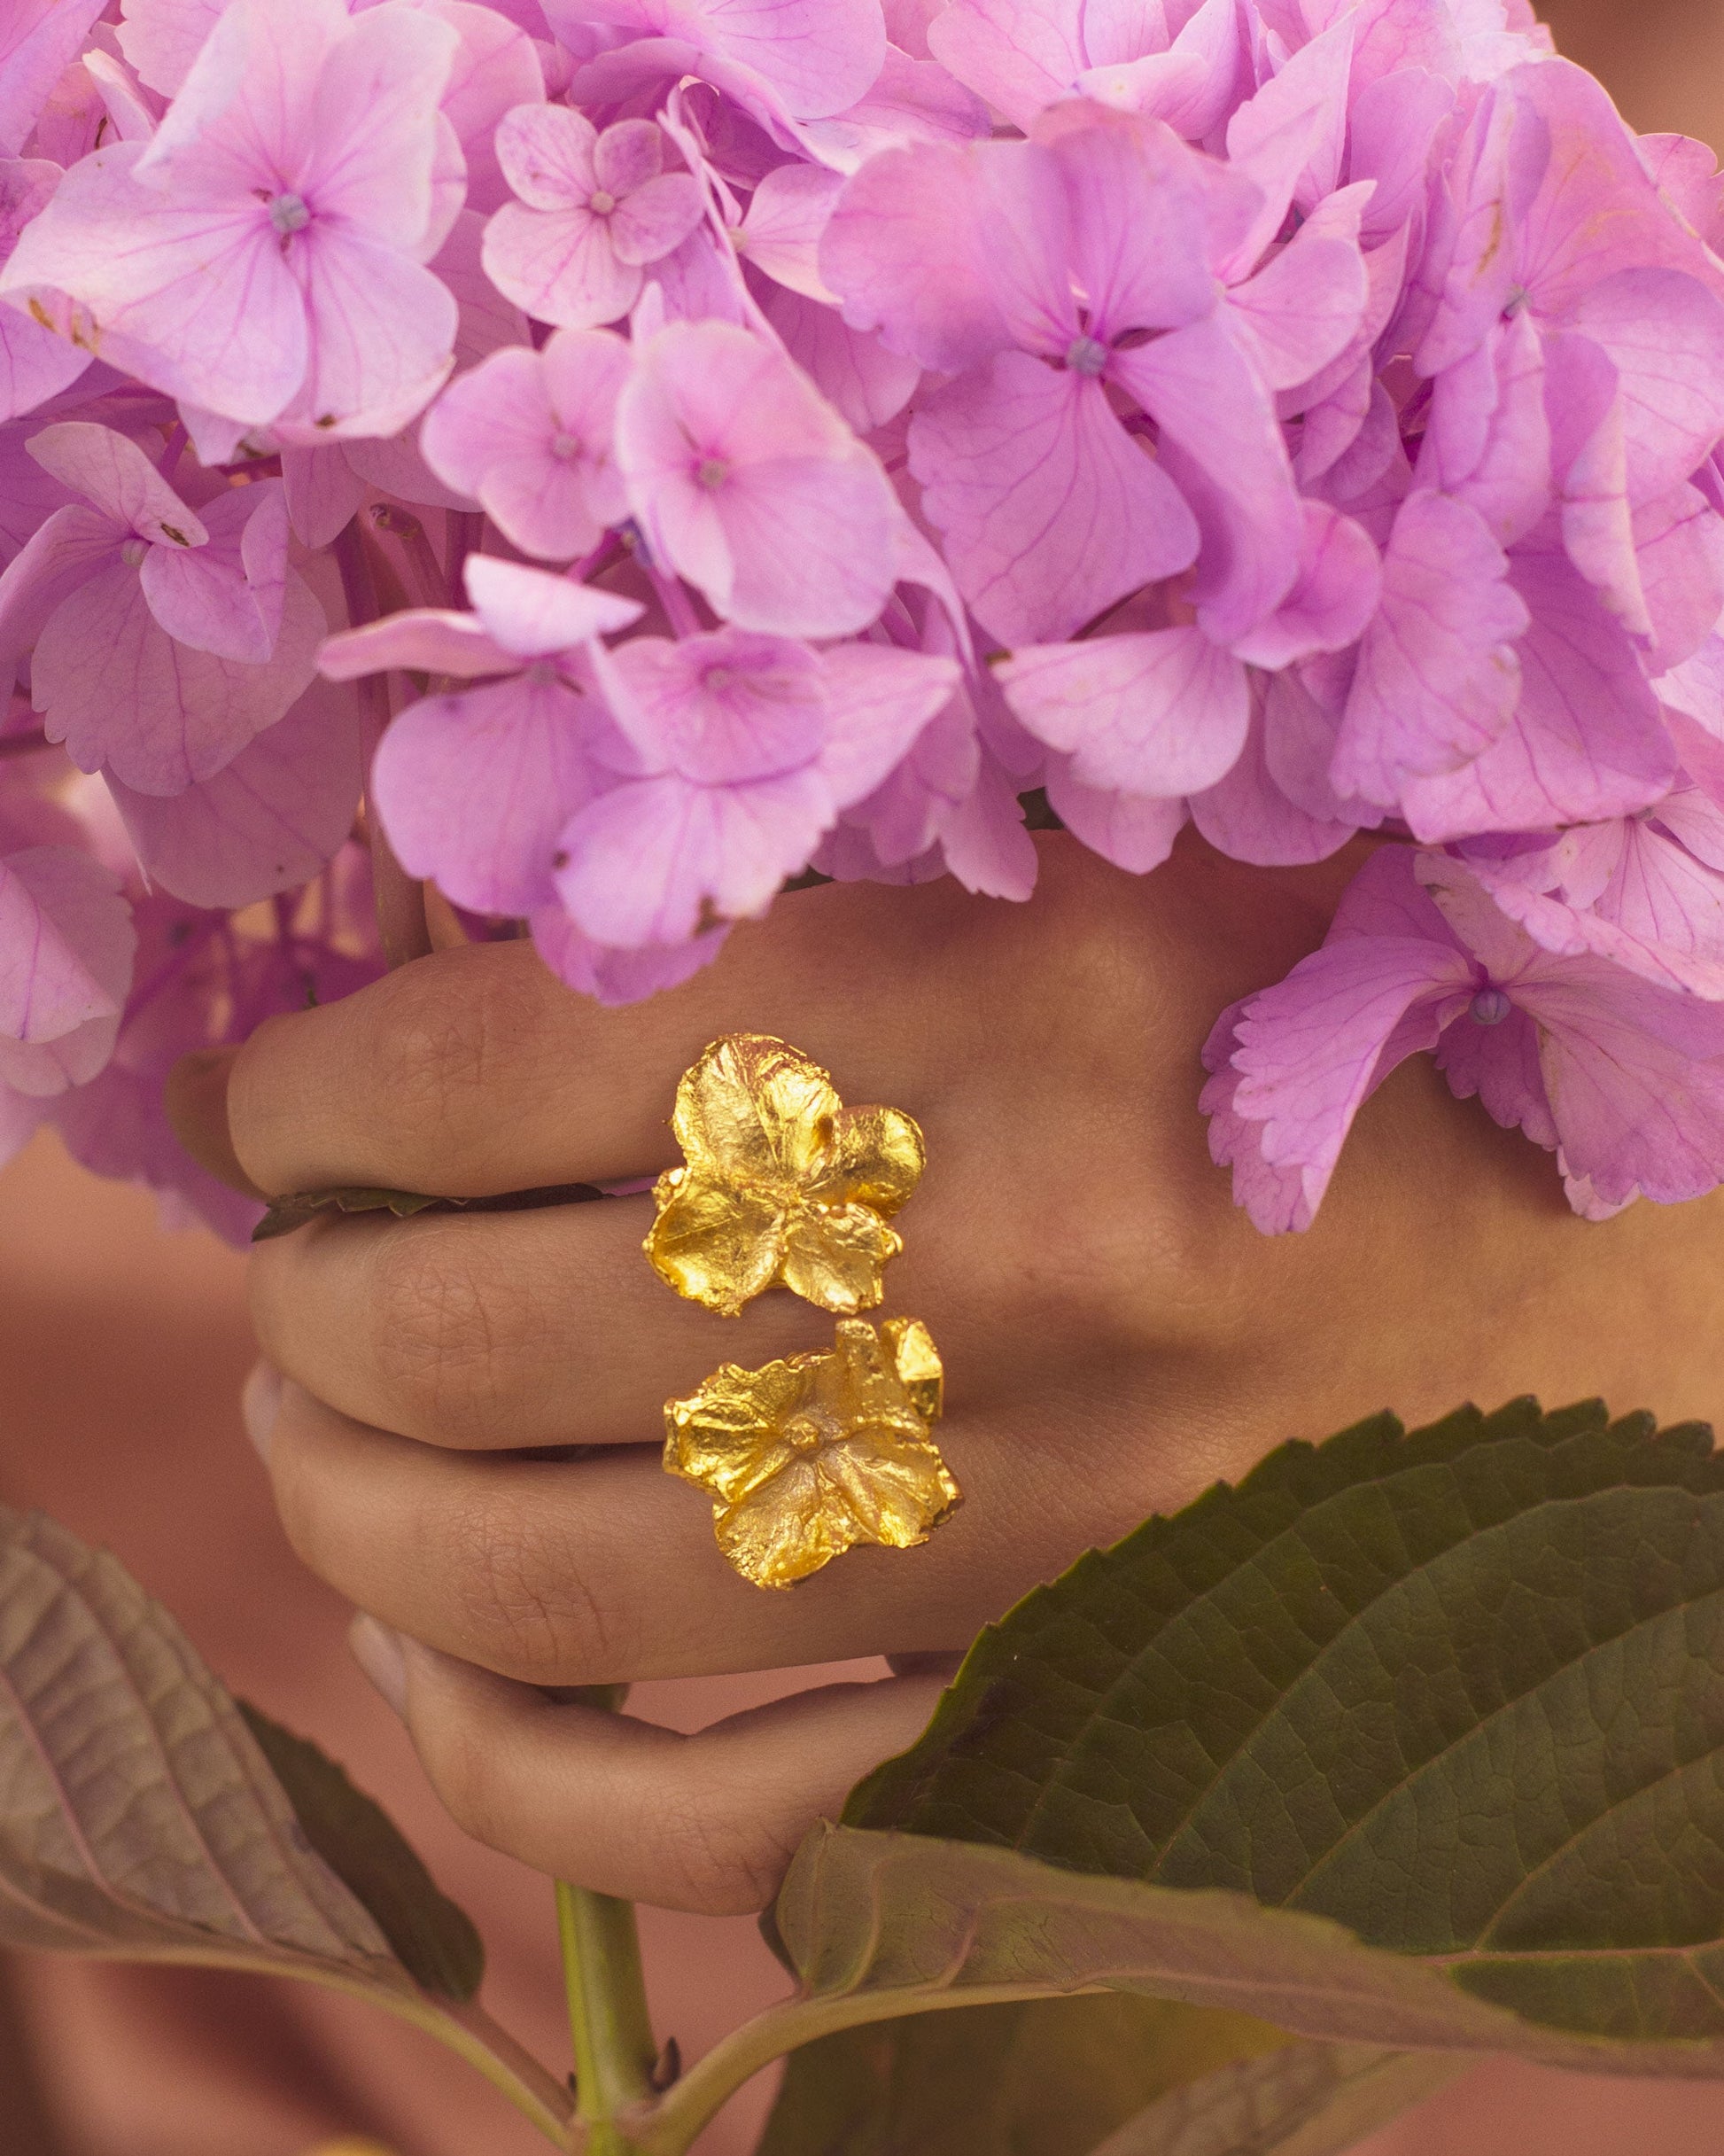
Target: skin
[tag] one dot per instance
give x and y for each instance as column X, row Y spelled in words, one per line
column 467, row 1440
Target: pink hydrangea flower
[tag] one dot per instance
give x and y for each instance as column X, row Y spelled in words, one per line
column 261, row 257
column 1624, row 1080
column 528, row 435
column 594, row 209
column 162, row 640
column 747, row 483
column 34, row 364
column 474, row 788
column 66, row 947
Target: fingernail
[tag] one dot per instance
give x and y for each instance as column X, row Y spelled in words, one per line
column 378, row 1653
column 260, row 1403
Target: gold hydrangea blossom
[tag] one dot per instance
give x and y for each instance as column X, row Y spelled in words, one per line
column 805, row 1458
column 782, row 1182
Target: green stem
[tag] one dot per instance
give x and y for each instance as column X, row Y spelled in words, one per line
column 615, row 2053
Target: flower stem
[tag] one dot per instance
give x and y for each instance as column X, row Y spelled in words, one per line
column 614, row 2048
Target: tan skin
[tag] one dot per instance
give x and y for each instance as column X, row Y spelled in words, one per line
column 1117, row 1336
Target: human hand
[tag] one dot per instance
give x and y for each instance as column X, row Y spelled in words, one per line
column 467, row 1443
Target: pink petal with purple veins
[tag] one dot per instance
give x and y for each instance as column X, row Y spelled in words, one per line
column 1194, row 85
column 852, row 370
column 1302, row 311
column 380, row 337
column 474, row 789
column 656, row 217
column 198, row 304
column 1311, row 1050
column 1439, row 673
column 546, row 151
column 1277, row 1200
column 267, row 821
column 903, row 251
column 1488, row 442
column 560, row 265
column 1288, row 138
column 1050, row 510
column 1679, row 552
column 1587, row 740
column 114, row 475
column 226, row 597
column 533, row 614
column 1249, row 816
column 654, row 859
column 1222, row 444
column 748, row 484
column 116, row 688
column 66, row 949
column 324, row 493
column 880, row 701
column 819, row 56
column 496, row 70
column 39, row 40
column 781, row 234
column 1021, row 57
column 723, row 709
column 1663, row 333
column 367, row 151
column 64, row 552
column 1162, row 714
column 1133, row 831
column 613, row 976
column 424, row 639
column 527, row 434
column 982, row 839
column 1339, row 588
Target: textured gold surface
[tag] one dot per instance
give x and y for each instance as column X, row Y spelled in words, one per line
column 783, row 1183
column 806, row 1457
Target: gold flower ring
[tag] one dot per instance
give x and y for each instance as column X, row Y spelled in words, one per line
column 783, row 1185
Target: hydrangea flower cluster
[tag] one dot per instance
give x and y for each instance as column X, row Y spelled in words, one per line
column 653, row 450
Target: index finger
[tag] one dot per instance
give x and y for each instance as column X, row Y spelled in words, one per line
column 475, row 1071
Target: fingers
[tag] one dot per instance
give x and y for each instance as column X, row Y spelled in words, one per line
column 475, row 1071
column 603, row 1569
column 196, row 1102
column 516, row 1329
column 706, row 1821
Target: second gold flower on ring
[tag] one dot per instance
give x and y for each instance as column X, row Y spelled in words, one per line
column 782, row 1182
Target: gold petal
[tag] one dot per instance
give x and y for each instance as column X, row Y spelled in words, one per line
column 755, row 1111
column 712, row 1242
column 876, row 1158
column 730, row 1430
column 832, row 1255
column 896, row 1488
column 790, row 1528
column 917, row 1361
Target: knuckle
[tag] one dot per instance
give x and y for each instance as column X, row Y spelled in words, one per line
column 445, row 1032
column 718, row 1860
column 519, row 1604
column 433, row 1343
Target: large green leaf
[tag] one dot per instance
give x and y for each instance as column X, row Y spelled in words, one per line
column 1041, row 2077
column 142, row 1819
column 1461, row 1692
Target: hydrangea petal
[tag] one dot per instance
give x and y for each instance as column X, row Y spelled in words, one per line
column 1162, row 714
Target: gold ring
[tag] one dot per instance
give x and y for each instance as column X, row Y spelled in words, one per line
column 783, row 1185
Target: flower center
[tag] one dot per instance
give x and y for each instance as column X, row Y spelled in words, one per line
column 541, row 672
column 564, row 447
column 1084, row 356
column 290, row 214
column 601, row 204
column 1490, row 1006
column 133, row 551
column 716, row 680
column 805, row 1434
column 711, row 472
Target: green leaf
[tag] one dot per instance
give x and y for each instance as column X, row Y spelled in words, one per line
column 142, row 1819
column 433, row 1940
column 1461, row 1692
column 1042, row 2077
column 1307, row 2099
